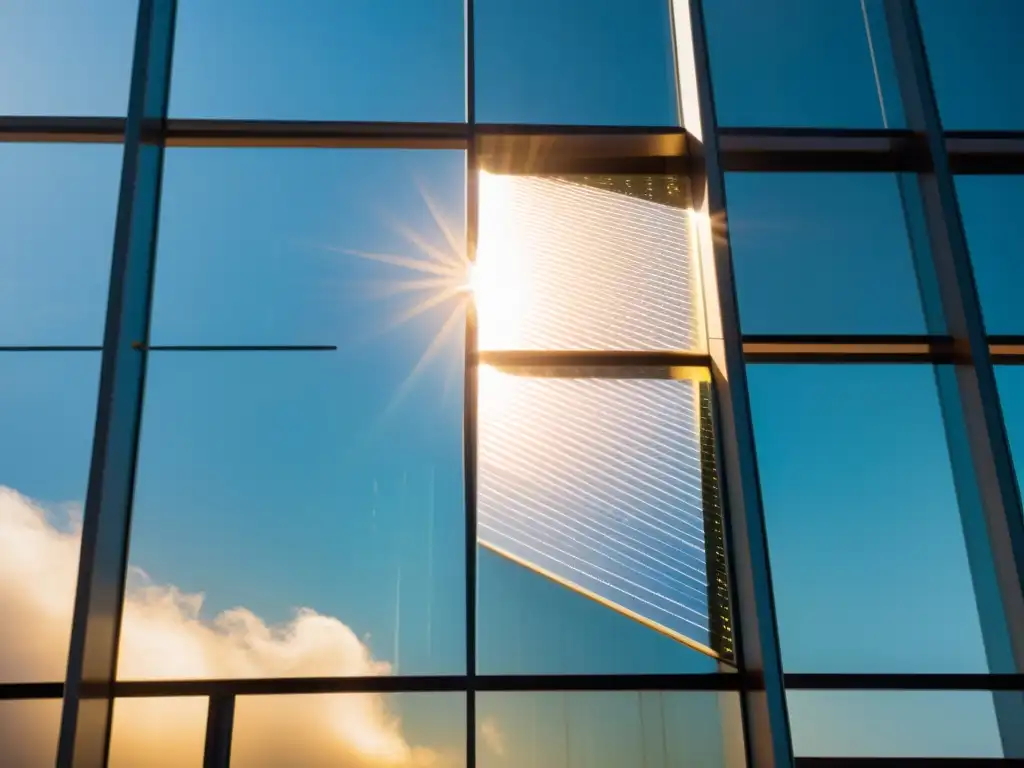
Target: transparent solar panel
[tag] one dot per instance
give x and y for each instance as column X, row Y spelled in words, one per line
column 585, row 262
column 608, row 486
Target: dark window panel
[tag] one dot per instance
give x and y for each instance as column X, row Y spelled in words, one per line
column 802, row 63
column 373, row 60
column 869, row 564
column 976, row 61
column 822, row 253
column 990, row 207
column 585, row 62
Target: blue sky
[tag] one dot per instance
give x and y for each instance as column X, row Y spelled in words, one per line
column 323, row 479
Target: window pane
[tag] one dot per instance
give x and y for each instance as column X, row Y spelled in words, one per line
column 869, row 564
column 1010, row 379
column 802, row 63
column 158, row 733
column 822, row 254
column 306, row 508
column 893, row 724
column 307, row 246
column 320, row 60
column 64, row 58
column 597, row 485
column 586, row 62
column 56, row 237
column 976, row 61
column 585, row 262
column 350, row 729
column 990, row 207
column 28, row 732
column 47, row 412
column 609, row 729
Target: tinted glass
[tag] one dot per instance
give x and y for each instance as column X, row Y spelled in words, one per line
column 300, row 246
column 56, row 238
column 943, row 724
column 822, row 254
column 66, row 58
column 287, row 491
column 990, row 207
column 319, row 60
column 161, row 733
column 976, row 61
column 1010, row 380
column 802, row 63
column 608, row 729
column 28, row 732
column 585, row 62
column 868, row 558
column 350, row 729
column 47, row 413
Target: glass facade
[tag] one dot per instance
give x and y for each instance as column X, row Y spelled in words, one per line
column 497, row 383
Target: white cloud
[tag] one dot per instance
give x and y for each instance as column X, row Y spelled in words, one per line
column 492, row 736
column 164, row 637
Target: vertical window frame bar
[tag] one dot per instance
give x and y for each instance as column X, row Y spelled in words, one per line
column 987, row 491
column 765, row 714
column 87, row 712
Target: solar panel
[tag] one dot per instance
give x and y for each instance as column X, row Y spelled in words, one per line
column 600, row 480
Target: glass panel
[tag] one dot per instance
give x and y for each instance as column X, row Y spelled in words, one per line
column 300, row 513
column 301, row 246
column 56, row 237
column 597, row 485
column 990, row 207
column 47, row 413
column 158, row 733
column 64, row 58
column 585, row 262
column 322, row 60
column 414, row 729
column 822, row 254
column 1010, row 380
column 28, row 732
column 802, row 63
column 869, row 564
column 893, row 724
column 609, row 729
column 976, row 61
column 583, row 62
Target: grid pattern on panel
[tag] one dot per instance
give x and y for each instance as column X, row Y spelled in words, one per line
column 584, row 262
column 597, row 483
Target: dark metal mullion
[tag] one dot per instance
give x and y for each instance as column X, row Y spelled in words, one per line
column 470, row 400
column 220, row 720
column 765, row 716
column 92, row 658
column 987, row 492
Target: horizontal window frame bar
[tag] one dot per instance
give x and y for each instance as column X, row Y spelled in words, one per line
column 569, row 148
column 868, row 348
column 906, row 762
column 719, row 681
column 591, row 358
column 911, row 681
column 824, row 150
